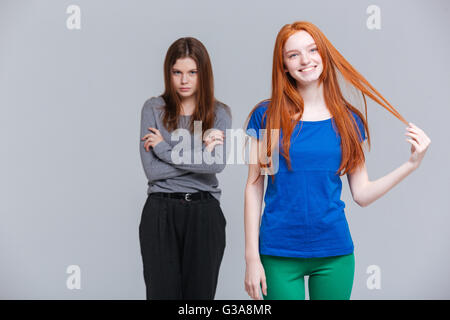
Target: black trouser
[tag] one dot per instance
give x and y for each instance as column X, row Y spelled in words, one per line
column 182, row 245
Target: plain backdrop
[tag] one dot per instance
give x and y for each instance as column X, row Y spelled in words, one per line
column 71, row 182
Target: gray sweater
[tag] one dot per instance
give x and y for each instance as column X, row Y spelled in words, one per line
column 162, row 173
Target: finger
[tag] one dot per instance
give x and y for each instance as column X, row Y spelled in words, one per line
column 413, row 143
column 217, row 139
column 264, row 286
column 149, row 142
column 156, row 131
column 252, row 291
column 414, row 130
column 248, row 289
column 415, row 136
column 218, row 133
column 413, row 126
column 148, row 135
column 256, row 291
column 214, row 137
column 212, row 144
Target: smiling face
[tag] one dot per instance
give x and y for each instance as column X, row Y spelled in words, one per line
column 184, row 77
column 302, row 59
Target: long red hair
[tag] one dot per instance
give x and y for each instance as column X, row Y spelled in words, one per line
column 286, row 100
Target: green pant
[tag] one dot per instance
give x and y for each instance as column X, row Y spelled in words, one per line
column 330, row 278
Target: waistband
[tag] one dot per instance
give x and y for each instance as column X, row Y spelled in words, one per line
column 183, row 195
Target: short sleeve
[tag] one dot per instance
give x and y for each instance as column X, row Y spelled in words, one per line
column 254, row 124
column 360, row 127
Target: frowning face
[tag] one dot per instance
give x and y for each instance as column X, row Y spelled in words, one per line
column 185, row 77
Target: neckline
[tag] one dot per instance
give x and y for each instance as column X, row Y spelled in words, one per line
column 316, row 121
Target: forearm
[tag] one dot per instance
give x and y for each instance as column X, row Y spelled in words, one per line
column 164, row 152
column 374, row 190
column 155, row 169
column 252, row 217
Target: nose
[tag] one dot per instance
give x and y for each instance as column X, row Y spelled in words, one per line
column 184, row 78
column 304, row 58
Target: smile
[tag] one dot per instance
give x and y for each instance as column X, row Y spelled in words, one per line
column 308, row 69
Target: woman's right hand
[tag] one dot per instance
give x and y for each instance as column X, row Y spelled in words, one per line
column 254, row 278
column 212, row 139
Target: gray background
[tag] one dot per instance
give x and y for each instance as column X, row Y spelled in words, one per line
column 72, row 184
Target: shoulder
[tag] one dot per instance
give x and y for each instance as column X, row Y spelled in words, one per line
column 154, row 103
column 260, row 108
column 359, row 124
column 222, row 110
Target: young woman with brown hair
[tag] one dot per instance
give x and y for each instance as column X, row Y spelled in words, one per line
column 182, row 228
column 320, row 136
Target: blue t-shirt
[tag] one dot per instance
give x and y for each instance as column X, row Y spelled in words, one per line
column 304, row 215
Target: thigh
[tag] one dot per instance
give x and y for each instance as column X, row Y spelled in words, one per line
column 203, row 250
column 284, row 278
column 159, row 250
column 332, row 278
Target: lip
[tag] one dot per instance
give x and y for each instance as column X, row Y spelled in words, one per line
column 313, row 68
column 185, row 89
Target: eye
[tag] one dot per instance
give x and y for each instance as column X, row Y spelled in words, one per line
column 314, row 49
column 176, row 72
column 193, row 71
column 292, row 55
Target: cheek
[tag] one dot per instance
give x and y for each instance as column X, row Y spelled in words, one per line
column 174, row 80
column 318, row 59
column 320, row 67
column 194, row 81
column 290, row 66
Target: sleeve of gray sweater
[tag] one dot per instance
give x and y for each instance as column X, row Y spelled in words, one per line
column 155, row 169
column 223, row 121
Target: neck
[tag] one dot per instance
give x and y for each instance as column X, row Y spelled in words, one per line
column 188, row 106
column 312, row 95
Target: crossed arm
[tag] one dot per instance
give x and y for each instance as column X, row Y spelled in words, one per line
column 157, row 161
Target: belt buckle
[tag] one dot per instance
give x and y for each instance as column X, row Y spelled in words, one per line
column 187, row 197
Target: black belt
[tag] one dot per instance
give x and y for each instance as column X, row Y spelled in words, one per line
column 182, row 195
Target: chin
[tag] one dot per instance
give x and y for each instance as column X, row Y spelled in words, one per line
column 185, row 94
column 304, row 82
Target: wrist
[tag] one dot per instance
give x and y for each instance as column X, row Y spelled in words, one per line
column 250, row 258
column 412, row 165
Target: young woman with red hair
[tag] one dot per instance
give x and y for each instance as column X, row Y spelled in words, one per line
column 320, row 136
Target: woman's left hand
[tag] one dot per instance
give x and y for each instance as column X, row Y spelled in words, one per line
column 152, row 139
column 419, row 144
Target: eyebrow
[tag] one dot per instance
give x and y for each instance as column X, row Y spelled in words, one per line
column 309, row 45
column 174, row 69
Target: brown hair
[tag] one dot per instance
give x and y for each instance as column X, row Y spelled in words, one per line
column 286, row 101
column 204, row 111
